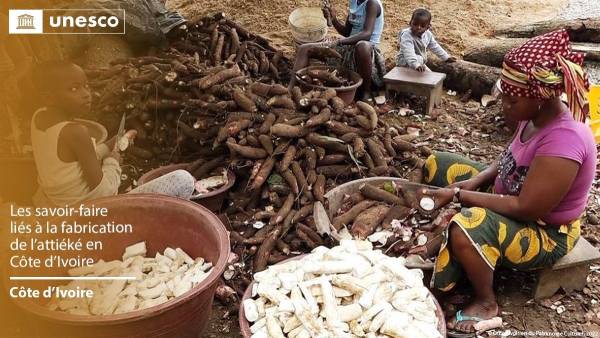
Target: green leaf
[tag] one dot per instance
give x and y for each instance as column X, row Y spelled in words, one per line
column 275, row 179
column 389, row 187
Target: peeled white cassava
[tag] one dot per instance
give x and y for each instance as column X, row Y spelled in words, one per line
column 157, row 280
column 347, row 291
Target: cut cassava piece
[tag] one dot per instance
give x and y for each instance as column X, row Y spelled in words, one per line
column 372, row 192
column 285, row 209
column 288, row 157
column 286, row 130
column 320, row 118
column 220, row 77
column 266, row 143
column 244, row 101
column 366, row 223
column 248, row 152
column 329, row 143
column 291, row 180
column 264, row 251
column 347, row 218
column 263, row 173
column 371, row 113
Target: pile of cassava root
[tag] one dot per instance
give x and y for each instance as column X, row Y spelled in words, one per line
column 157, row 279
column 348, row 291
column 175, row 113
column 204, row 103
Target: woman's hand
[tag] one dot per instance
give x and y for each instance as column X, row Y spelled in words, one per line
column 131, row 134
column 329, row 13
column 441, row 197
column 470, row 185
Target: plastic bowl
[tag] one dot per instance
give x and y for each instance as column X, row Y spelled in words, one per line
column 345, row 93
column 212, row 200
column 161, row 221
column 245, row 325
column 308, row 24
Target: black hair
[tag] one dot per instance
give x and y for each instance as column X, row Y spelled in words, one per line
column 46, row 74
column 421, row 13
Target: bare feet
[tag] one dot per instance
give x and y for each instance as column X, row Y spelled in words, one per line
column 479, row 309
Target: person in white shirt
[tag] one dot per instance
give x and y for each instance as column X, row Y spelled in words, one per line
column 416, row 40
column 71, row 168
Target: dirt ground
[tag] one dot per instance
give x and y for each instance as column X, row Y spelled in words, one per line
column 456, row 24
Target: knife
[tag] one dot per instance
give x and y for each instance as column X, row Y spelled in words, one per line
column 412, row 186
column 120, row 132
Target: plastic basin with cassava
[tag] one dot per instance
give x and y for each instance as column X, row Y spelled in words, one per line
column 344, row 81
column 213, row 200
column 160, row 221
column 245, row 326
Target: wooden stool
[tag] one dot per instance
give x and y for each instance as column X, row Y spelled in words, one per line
column 569, row 273
column 428, row 84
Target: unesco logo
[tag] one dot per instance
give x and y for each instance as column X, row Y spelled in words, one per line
column 25, row 21
column 69, row 21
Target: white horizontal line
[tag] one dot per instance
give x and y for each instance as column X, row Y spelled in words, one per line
column 90, row 33
column 71, row 278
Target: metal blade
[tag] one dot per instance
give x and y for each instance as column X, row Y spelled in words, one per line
column 121, row 131
column 411, row 186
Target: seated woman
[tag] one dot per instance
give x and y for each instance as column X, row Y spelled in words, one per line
column 71, row 169
column 540, row 183
column 360, row 46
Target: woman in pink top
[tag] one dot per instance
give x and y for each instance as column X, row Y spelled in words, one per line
column 540, row 182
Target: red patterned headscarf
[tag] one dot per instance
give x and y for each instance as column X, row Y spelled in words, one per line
column 545, row 67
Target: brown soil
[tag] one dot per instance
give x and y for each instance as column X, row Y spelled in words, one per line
column 455, row 23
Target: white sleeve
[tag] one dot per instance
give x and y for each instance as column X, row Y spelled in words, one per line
column 437, row 49
column 407, row 50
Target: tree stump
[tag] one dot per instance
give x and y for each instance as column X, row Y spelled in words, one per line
column 463, row 75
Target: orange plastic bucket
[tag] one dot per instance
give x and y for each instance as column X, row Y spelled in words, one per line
column 161, row 221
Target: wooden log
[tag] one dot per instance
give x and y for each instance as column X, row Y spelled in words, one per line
column 491, row 52
column 463, row 75
column 580, row 30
